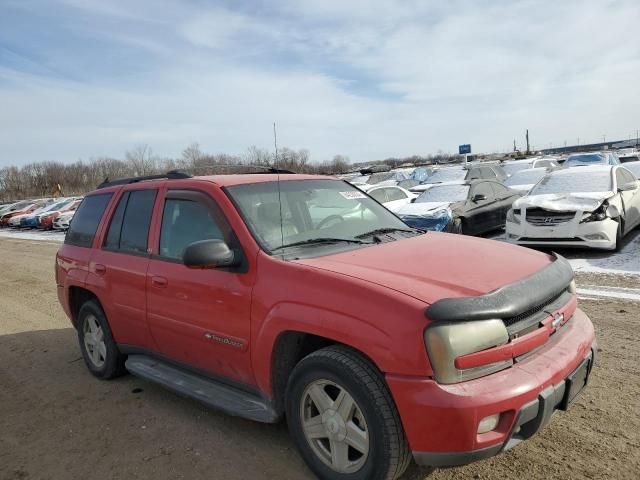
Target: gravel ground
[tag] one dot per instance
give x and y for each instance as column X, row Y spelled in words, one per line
column 58, row 422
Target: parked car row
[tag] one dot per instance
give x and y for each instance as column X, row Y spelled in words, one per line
column 41, row 213
column 591, row 200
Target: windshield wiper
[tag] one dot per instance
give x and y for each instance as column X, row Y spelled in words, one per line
column 312, row 241
column 380, row 231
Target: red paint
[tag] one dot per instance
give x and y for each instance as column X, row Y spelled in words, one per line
column 372, row 299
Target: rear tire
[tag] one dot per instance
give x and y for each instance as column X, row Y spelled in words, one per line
column 99, row 350
column 362, row 440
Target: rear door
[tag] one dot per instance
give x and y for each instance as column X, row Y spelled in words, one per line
column 119, row 267
column 199, row 317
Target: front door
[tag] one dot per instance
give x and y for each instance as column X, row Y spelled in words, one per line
column 199, row 317
column 480, row 214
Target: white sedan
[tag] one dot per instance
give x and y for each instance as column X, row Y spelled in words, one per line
column 392, row 197
column 591, row 206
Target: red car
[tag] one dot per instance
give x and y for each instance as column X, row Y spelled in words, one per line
column 290, row 295
column 45, row 222
column 22, row 208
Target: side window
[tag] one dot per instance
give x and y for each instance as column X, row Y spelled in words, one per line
column 626, row 177
column 184, row 222
column 129, row 229
column 395, row 194
column 380, row 194
column 500, row 191
column 483, row 188
column 86, row 220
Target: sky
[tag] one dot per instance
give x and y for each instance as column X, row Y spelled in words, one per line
column 367, row 79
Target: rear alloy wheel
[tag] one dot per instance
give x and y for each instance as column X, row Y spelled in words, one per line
column 343, row 419
column 99, row 350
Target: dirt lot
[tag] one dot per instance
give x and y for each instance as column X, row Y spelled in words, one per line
column 57, row 421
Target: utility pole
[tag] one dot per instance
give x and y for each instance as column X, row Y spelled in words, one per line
column 275, row 143
column 514, row 145
column 528, row 151
column 604, row 139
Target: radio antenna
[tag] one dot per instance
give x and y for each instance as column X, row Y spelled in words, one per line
column 277, row 165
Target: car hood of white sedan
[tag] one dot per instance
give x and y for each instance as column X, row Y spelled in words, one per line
column 422, row 208
column 563, row 202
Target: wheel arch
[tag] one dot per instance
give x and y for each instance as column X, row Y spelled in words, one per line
column 78, row 296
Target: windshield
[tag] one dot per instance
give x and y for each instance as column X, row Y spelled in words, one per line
column 311, row 209
column 513, row 168
column 525, row 178
column 444, row 193
column 380, row 177
column 589, row 158
column 576, row 182
column 446, row 175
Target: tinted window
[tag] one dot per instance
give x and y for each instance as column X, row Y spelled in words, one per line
column 136, row 221
column 129, row 227
column 112, row 241
column 85, row 222
column 483, row 188
column 185, row 222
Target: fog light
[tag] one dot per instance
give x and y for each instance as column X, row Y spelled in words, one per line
column 488, row 423
column 596, row 236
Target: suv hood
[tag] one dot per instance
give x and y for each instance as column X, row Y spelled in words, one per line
column 433, row 266
column 563, row 202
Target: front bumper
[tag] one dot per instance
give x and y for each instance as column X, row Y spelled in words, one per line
column 600, row 234
column 441, row 421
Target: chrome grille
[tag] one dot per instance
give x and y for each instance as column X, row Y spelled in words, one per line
column 542, row 217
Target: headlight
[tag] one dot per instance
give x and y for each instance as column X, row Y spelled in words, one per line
column 513, row 216
column 599, row 214
column 447, row 342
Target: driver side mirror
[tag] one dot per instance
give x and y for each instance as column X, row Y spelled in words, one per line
column 478, row 198
column 628, row 187
column 208, row 254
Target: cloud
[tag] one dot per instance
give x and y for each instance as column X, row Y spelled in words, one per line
column 366, row 79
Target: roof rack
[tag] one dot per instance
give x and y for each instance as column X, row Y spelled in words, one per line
column 260, row 168
column 171, row 175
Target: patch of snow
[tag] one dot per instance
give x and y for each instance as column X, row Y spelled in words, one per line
column 39, row 235
column 594, row 292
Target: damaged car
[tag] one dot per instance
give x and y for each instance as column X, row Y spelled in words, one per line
column 591, row 206
column 470, row 208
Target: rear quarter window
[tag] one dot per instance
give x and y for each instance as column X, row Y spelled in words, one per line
column 86, row 220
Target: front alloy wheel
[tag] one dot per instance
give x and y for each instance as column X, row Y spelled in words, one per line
column 334, row 426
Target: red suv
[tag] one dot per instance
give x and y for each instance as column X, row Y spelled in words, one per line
column 272, row 295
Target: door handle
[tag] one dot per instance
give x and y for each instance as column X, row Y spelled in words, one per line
column 100, row 269
column 159, row 282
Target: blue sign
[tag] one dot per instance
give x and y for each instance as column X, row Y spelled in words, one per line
column 464, row 149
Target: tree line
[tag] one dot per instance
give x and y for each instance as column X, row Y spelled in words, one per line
column 41, row 179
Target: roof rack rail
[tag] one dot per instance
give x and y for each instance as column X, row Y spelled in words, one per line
column 260, row 168
column 171, row 175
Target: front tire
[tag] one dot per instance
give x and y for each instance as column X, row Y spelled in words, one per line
column 342, row 418
column 619, row 235
column 99, row 350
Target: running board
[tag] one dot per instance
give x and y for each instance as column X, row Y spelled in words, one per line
column 230, row 400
